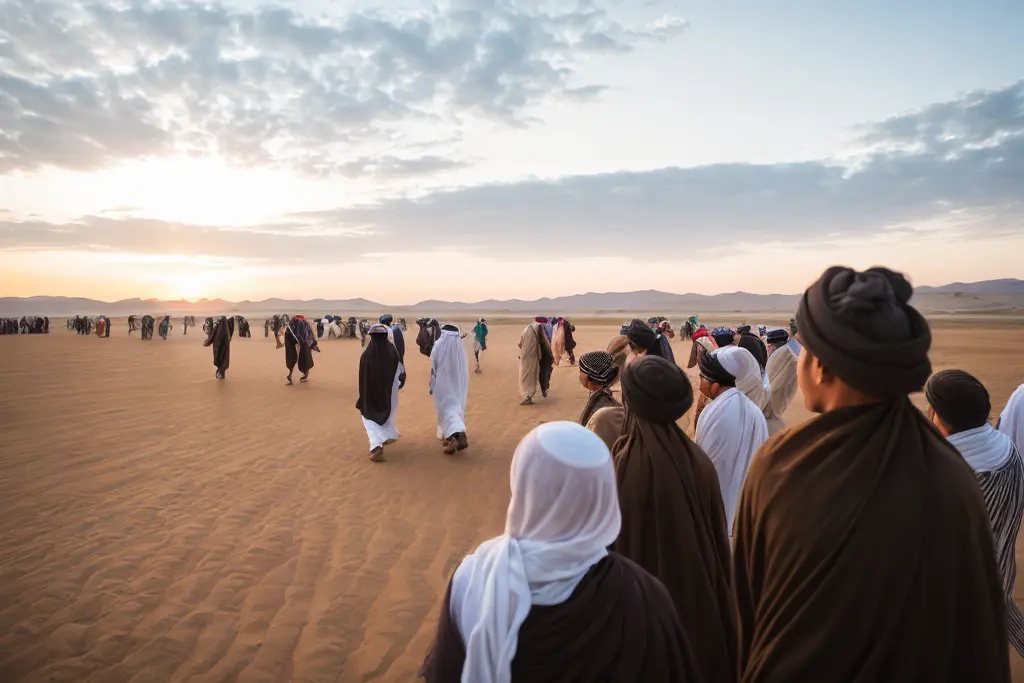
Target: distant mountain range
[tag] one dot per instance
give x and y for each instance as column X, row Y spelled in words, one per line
column 991, row 295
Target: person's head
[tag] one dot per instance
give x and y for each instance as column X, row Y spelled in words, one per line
column 743, row 329
column 657, row 390
column 378, row 335
column 957, row 401
column 621, row 352
column 597, row 370
column 642, row 339
column 723, row 336
column 665, row 327
column 776, row 340
column 862, row 341
column 386, row 319
column 714, row 378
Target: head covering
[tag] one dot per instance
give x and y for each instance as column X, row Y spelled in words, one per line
column 743, row 329
column 656, row 389
column 862, row 328
column 777, row 337
column 711, row 368
column 723, row 336
column 377, row 368
column 378, row 329
column 700, row 332
column 482, row 320
column 619, row 348
column 386, row 319
column 563, row 515
column 742, row 365
column 753, row 344
column 959, row 399
column 541, row 319
column 642, row 337
column 599, row 366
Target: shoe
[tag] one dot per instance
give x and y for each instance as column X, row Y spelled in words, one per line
column 528, row 401
column 461, row 442
column 544, row 394
column 449, row 445
column 377, row 454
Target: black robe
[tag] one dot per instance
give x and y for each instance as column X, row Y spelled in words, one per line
column 219, row 338
column 618, row 626
column 377, row 368
column 753, row 343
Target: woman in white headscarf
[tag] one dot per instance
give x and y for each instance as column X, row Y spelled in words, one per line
column 449, row 385
column 742, row 365
column 546, row 601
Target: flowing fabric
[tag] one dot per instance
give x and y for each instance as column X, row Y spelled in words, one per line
column 218, row 337
column 997, row 464
column 730, row 429
column 752, row 343
column 379, row 367
column 1011, row 420
column 781, row 373
column 535, row 360
column 607, row 423
column 673, row 521
column 298, row 345
column 449, row 383
column 558, row 342
column 601, row 398
column 863, row 554
column 561, row 519
column 742, row 365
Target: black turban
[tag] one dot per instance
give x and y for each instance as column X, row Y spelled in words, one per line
column 711, row 368
column 777, row 337
column 743, row 329
column 656, row 389
column 959, row 399
column 641, row 336
column 386, row 319
column 863, row 329
column 600, row 367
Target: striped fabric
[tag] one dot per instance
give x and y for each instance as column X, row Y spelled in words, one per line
column 1004, row 498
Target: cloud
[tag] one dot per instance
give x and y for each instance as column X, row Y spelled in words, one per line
column 969, row 184
column 86, row 85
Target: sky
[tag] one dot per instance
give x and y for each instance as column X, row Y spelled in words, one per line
column 475, row 149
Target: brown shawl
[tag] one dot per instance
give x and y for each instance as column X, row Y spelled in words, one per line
column 619, row 625
column 864, row 555
column 673, row 517
column 602, row 398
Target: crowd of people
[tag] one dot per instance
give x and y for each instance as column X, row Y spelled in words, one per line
column 29, row 324
column 873, row 542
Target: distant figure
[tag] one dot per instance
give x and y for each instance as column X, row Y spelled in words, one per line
column 379, row 370
column 535, row 362
column 643, row 340
column 449, row 385
column 186, row 322
column 479, row 341
column 299, row 345
column 103, row 327
column 430, row 332
column 219, row 337
column 266, row 328
column 723, row 336
column 320, row 328
column 602, row 414
column 752, row 343
column 148, row 326
column 863, row 508
column 546, row 602
column 396, row 335
column 665, row 336
column 131, row 325
column 959, row 406
column 781, row 373
column 165, row 327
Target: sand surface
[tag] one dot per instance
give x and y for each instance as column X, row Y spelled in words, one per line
column 159, row 525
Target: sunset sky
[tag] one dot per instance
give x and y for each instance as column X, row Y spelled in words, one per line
column 473, row 149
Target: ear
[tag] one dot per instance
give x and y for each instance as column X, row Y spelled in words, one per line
column 822, row 375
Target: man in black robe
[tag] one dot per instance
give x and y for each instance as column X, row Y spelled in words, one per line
column 299, row 345
column 219, row 337
column 863, row 551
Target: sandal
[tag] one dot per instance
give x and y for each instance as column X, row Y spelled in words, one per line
column 377, row 454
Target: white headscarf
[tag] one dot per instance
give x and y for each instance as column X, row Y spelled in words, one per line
column 984, row 448
column 449, row 383
column 1011, row 421
column 563, row 515
column 742, row 365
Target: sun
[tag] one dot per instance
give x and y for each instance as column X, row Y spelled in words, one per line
column 190, row 287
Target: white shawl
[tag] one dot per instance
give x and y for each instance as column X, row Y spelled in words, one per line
column 730, row 430
column 984, row 448
column 449, row 383
column 1011, row 421
column 563, row 515
column 781, row 372
column 742, row 365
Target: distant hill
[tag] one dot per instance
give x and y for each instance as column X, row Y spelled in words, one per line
column 989, row 296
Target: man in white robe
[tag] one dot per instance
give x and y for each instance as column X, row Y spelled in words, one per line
column 781, row 373
column 731, row 428
column 1011, row 420
column 449, row 385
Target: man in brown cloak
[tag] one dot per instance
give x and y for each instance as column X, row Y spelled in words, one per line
column 219, row 337
column 863, row 552
column 673, row 518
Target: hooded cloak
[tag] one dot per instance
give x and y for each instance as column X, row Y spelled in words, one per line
column 863, row 509
column 673, row 519
column 546, row 602
column 742, row 365
column 218, row 337
column 378, row 370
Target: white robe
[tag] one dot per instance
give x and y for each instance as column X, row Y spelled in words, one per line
column 730, row 430
column 1011, row 421
column 781, row 373
column 449, row 383
column 742, row 365
column 378, row 434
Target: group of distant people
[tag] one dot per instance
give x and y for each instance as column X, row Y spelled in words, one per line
column 25, row 325
column 871, row 543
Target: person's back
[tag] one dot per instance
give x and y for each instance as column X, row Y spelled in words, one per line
column 862, row 545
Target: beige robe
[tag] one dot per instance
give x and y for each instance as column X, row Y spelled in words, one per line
column 558, row 343
column 529, row 361
column 781, row 370
column 607, row 424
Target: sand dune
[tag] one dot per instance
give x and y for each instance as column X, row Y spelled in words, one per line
column 159, row 525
